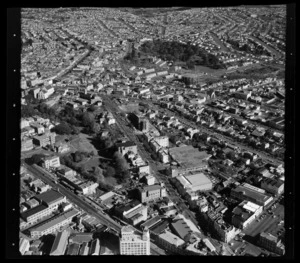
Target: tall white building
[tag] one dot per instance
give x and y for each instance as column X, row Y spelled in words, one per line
column 134, row 243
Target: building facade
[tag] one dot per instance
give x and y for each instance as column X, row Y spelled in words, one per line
column 133, row 243
column 152, row 192
column 52, row 161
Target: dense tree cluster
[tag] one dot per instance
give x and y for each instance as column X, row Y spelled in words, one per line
column 176, row 51
column 121, row 167
column 65, row 128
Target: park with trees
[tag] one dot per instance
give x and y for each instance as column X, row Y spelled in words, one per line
column 177, row 52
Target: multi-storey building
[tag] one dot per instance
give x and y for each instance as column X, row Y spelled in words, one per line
column 273, row 186
column 45, row 139
column 126, row 147
column 152, row 192
column 245, row 213
column 252, row 194
column 23, row 245
column 53, row 224
column 49, row 202
column 51, row 161
column 134, row 243
column 133, row 212
column 170, row 242
column 271, row 243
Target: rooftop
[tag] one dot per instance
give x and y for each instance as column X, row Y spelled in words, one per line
column 55, row 220
column 181, row 228
column 33, row 211
column 251, row 193
column 80, row 238
column 171, row 238
column 59, row 242
column 49, row 197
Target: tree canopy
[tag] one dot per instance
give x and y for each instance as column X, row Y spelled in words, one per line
column 176, row 51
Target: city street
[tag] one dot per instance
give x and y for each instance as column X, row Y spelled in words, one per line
column 106, row 220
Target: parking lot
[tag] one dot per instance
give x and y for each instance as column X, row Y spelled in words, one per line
column 272, row 220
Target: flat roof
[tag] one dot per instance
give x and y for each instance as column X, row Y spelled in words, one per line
column 55, row 220
column 151, row 187
column 60, row 241
column 171, row 238
column 81, row 238
column 49, row 197
column 251, row 193
column 152, row 221
column 33, row 211
column 159, row 227
column 132, row 204
column 181, row 227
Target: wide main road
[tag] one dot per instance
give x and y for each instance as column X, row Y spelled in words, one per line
column 113, row 108
column 106, row 220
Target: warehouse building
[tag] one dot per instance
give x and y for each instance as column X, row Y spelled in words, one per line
column 53, row 224
column 252, row 194
column 245, row 213
column 60, row 243
column 192, row 183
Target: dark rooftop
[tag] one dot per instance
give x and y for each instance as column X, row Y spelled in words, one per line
column 33, row 211
column 49, row 197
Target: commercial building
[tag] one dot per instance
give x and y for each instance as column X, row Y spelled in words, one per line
column 152, row 192
column 252, row 194
column 45, row 92
column 88, row 188
column 245, row 213
column 192, row 183
column 133, row 212
column 53, row 224
column 271, row 243
column 273, row 186
column 151, row 222
column 95, row 247
column 217, row 225
column 187, row 159
column 60, row 243
column 126, row 147
column 140, row 122
column 48, row 203
column 45, row 139
column 134, row 243
column 24, row 245
column 180, row 227
column 170, row 242
column 51, row 161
